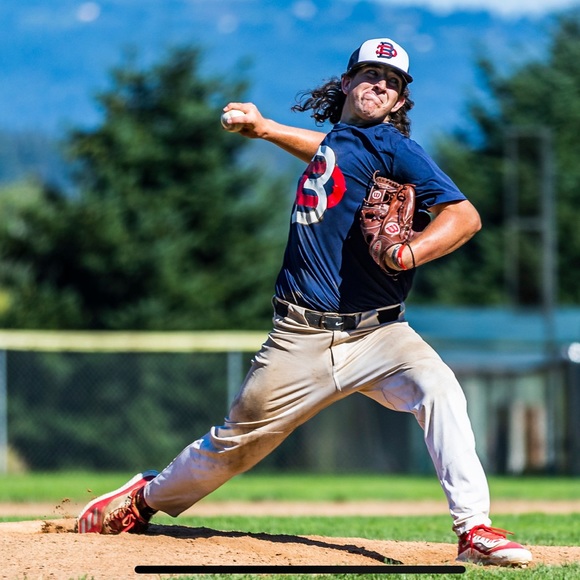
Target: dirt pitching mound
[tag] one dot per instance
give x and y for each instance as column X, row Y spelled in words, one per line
column 50, row 548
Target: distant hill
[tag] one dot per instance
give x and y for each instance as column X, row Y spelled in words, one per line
column 56, row 55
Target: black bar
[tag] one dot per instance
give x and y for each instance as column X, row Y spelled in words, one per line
column 383, row 569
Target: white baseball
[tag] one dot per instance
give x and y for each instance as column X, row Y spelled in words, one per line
column 232, row 115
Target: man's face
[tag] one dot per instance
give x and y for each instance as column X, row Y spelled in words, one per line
column 372, row 94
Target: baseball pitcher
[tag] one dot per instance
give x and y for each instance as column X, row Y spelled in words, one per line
column 370, row 207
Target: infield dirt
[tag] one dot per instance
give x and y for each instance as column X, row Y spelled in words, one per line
column 49, row 548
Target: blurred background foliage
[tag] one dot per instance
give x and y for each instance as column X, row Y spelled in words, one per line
column 170, row 223
column 165, row 228
column 174, row 224
column 540, row 96
column 110, row 410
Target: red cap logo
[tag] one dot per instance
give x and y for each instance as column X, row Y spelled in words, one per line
column 386, row 50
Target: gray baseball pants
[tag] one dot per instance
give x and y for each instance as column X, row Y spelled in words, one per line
column 299, row 371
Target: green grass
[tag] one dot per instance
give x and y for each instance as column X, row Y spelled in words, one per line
column 571, row 572
column 541, row 529
column 532, row 529
column 78, row 486
column 473, row 573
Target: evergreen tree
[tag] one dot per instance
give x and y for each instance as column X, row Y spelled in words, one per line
column 540, row 97
column 169, row 230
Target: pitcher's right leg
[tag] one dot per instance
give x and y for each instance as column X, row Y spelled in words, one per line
column 289, row 382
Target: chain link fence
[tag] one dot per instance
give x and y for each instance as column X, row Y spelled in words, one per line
column 133, row 401
column 81, row 406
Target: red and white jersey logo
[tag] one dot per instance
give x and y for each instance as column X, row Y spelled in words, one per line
column 321, row 187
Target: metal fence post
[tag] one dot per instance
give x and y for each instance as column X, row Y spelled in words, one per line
column 3, row 414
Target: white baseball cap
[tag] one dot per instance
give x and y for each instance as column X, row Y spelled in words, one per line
column 383, row 51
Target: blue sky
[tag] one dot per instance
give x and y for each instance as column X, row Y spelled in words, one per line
column 506, row 8
column 55, row 56
column 90, row 10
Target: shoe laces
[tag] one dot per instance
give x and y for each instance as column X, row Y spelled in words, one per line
column 486, row 530
column 125, row 517
column 128, row 522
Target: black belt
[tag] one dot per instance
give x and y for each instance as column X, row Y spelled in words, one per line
column 331, row 321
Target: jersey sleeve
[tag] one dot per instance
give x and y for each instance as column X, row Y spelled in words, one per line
column 412, row 164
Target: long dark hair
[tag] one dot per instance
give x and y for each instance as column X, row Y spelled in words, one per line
column 327, row 101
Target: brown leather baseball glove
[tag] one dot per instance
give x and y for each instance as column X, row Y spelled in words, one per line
column 386, row 220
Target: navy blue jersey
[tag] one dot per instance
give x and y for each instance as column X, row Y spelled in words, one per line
column 327, row 265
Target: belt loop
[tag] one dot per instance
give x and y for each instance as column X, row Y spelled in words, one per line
column 280, row 308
